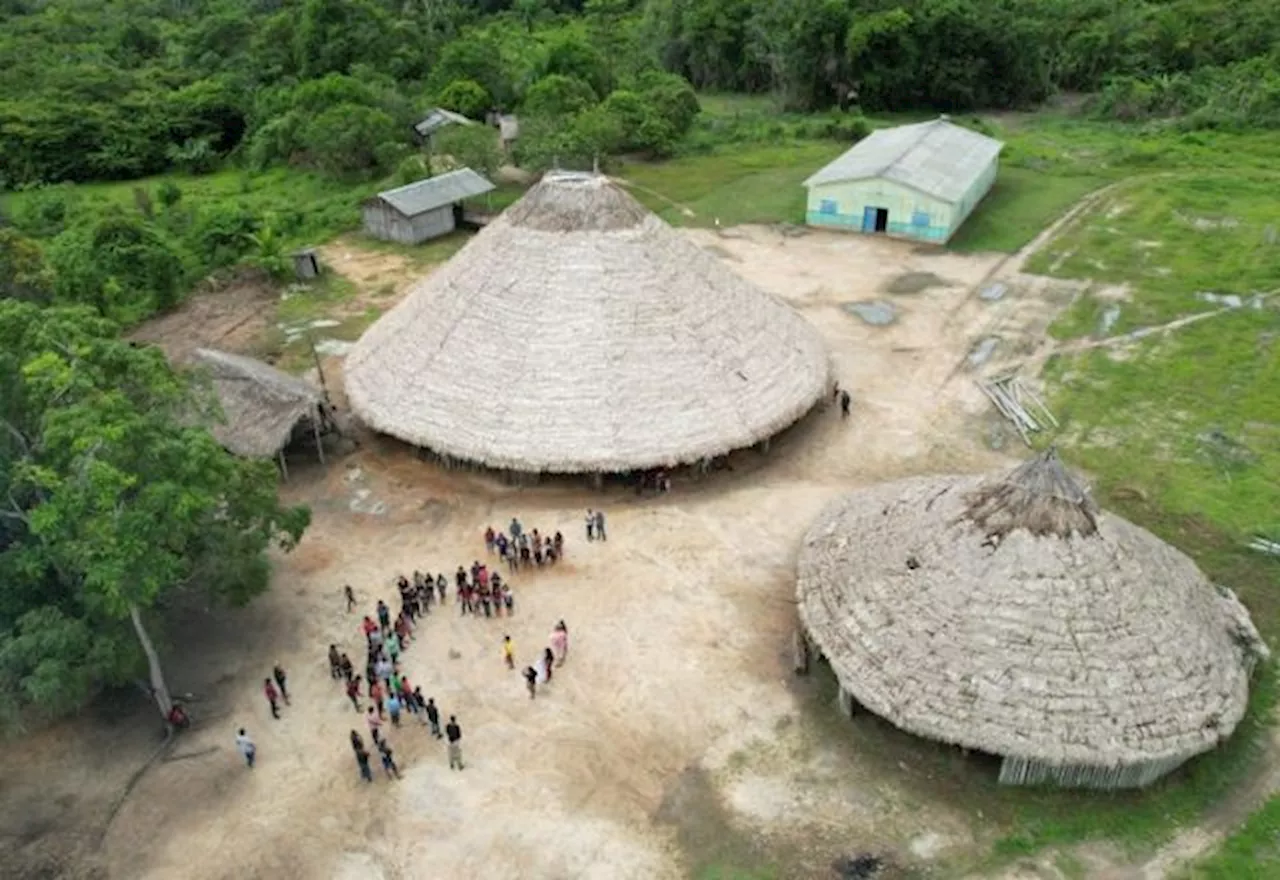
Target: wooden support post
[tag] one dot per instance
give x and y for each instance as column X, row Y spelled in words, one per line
column 284, row 467
column 315, row 430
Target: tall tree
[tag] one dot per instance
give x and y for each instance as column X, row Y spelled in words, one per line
column 111, row 498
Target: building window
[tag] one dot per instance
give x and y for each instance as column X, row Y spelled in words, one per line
column 920, row 218
column 828, row 206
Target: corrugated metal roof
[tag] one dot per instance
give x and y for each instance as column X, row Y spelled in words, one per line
column 437, row 119
column 938, row 158
column 435, row 192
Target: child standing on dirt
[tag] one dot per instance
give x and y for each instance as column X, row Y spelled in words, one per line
column 246, row 747
column 560, row 642
column 590, row 521
column 600, row 532
column 384, row 616
column 531, row 681
column 845, row 400
column 350, row 596
column 509, row 652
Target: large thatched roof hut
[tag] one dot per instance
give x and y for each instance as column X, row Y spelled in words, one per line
column 262, row 405
column 1009, row 615
column 580, row 333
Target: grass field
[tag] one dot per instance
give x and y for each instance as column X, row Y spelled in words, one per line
column 1252, row 853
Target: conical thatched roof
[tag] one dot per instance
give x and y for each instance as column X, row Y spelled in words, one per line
column 1009, row 615
column 261, row 404
column 580, row 333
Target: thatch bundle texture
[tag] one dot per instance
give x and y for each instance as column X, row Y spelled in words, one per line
column 1008, row 615
column 262, row 405
column 578, row 333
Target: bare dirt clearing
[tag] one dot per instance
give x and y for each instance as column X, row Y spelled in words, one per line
column 675, row 738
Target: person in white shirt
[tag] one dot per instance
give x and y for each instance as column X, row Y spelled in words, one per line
column 246, row 747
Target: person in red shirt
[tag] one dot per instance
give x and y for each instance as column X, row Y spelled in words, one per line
column 377, row 695
column 353, row 692
column 368, row 627
column 273, row 696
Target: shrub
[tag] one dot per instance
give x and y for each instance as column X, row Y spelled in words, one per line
column 465, row 96
column 558, row 95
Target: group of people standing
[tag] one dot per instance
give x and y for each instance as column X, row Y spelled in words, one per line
column 390, row 694
column 523, row 549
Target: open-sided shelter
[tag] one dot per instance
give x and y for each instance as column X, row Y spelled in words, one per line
column 579, row 333
column 1010, row 616
column 262, row 405
column 912, row 181
column 429, row 208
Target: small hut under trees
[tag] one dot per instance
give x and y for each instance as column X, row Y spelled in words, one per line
column 579, row 333
column 263, row 406
column 1010, row 616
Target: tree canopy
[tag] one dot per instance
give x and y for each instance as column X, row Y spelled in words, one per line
column 111, row 497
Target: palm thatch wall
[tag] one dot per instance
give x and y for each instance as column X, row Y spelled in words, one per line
column 579, row 333
column 1008, row 615
column 262, row 405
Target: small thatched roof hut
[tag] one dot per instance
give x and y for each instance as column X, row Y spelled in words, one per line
column 1010, row 616
column 262, row 405
column 579, row 333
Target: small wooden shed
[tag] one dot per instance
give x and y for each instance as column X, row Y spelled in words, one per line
column 423, row 210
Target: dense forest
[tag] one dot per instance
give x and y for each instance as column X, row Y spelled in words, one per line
column 108, row 89
column 109, row 498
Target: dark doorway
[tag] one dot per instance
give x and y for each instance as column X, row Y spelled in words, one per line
column 882, row 219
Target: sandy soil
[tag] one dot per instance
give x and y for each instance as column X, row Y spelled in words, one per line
column 232, row 316
column 676, row 732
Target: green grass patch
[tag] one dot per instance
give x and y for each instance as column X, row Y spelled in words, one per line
column 1251, row 853
column 1173, row 237
column 1020, row 205
column 756, row 184
column 310, row 301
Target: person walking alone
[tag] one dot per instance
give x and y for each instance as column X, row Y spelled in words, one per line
column 600, row 532
column 454, row 732
column 845, row 400
column 246, row 748
column 509, row 652
column 272, row 695
column 548, row 660
column 350, row 596
column 281, row 679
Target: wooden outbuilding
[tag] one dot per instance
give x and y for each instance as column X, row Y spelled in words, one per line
column 423, row 210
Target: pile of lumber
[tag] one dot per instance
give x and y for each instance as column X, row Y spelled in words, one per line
column 1019, row 404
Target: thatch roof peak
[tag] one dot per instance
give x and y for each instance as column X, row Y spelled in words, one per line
column 578, row 332
column 1040, row 495
column 1112, row 652
column 576, row 201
